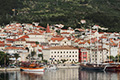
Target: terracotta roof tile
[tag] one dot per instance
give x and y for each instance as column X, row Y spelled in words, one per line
column 57, row 38
column 61, row 48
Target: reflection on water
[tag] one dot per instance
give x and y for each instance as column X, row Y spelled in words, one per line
column 61, row 74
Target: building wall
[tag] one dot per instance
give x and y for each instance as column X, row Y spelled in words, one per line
column 39, row 38
column 46, row 54
column 55, row 55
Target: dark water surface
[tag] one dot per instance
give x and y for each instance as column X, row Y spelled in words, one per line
column 61, row 74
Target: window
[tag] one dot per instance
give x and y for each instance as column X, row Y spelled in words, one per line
column 58, row 56
column 55, row 52
column 61, row 51
column 58, row 51
column 84, row 60
column 84, row 57
column 69, row 55
column 64, row 51
column 51, row 56
column 84, row 53
column 76, row 56
column 73, row 55
column 61, row 56
column 55, row 56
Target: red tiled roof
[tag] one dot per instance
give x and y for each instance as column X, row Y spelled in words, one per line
column 1, row 42
column 40, row 27
column 81, row 42
column 10, row 39
column 22, row 38
column 65, row 33
column 39, row 50
column 14, row 48
column 57, row 38
column 61, row 48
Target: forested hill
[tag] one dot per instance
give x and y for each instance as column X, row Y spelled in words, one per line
column 105, row 13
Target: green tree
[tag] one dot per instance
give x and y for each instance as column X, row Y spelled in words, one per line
column 4, row 59
column 37, row 42
column 16, row 57
column 40, row 55
column 33, row 53
column 112, row 58
column 63, row 60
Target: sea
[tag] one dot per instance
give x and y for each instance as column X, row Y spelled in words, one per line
column 60, row 74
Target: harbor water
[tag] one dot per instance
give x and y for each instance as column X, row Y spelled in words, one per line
column 60, row 74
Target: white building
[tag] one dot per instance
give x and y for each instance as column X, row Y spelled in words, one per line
column 36, row 37
column 99, row 56
column 58, row 53
column 59, row 41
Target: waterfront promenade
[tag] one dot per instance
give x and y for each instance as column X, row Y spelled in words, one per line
column 59, row 67
column 9, row 69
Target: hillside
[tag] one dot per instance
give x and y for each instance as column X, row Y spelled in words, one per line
column 68, row 12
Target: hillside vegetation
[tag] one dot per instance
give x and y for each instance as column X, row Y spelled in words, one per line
column 105, row 13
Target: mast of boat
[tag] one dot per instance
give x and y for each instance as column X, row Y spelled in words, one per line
column 102, row 50
column 30, row 55
column 90, row 46
column 118, row 51
column 97, row 49
column 109, row 49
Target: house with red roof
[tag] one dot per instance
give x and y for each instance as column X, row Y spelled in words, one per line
column 59, row 41
column 23, row 53
column 2, row 45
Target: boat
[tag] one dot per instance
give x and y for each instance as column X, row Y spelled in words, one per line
column 112, row 67
column 51, row 67
column 32, row 68
column 41, row 69
column 88, row 66
column 97, row 66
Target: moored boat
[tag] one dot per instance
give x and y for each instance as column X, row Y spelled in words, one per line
column 51, row 67
column 112, row 67
column 88, row 66
column 32, row 67
column 41, row 69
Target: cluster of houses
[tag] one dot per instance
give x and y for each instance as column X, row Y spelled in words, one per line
column 57, row 44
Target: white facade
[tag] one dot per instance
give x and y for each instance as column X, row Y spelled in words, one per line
column 99, row 56
column 63, row 42
column 38, row 38
column 60, row 53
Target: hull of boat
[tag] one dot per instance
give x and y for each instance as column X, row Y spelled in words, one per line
column 113, row 68
column 32, row 69
column 92, row 68
column 96, row 68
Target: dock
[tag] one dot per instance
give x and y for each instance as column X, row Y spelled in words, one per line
column 9, row 69
column 67, row 67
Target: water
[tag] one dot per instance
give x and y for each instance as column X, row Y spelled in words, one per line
column 61, row 74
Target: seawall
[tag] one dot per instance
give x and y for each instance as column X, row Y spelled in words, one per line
column 9, row 69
